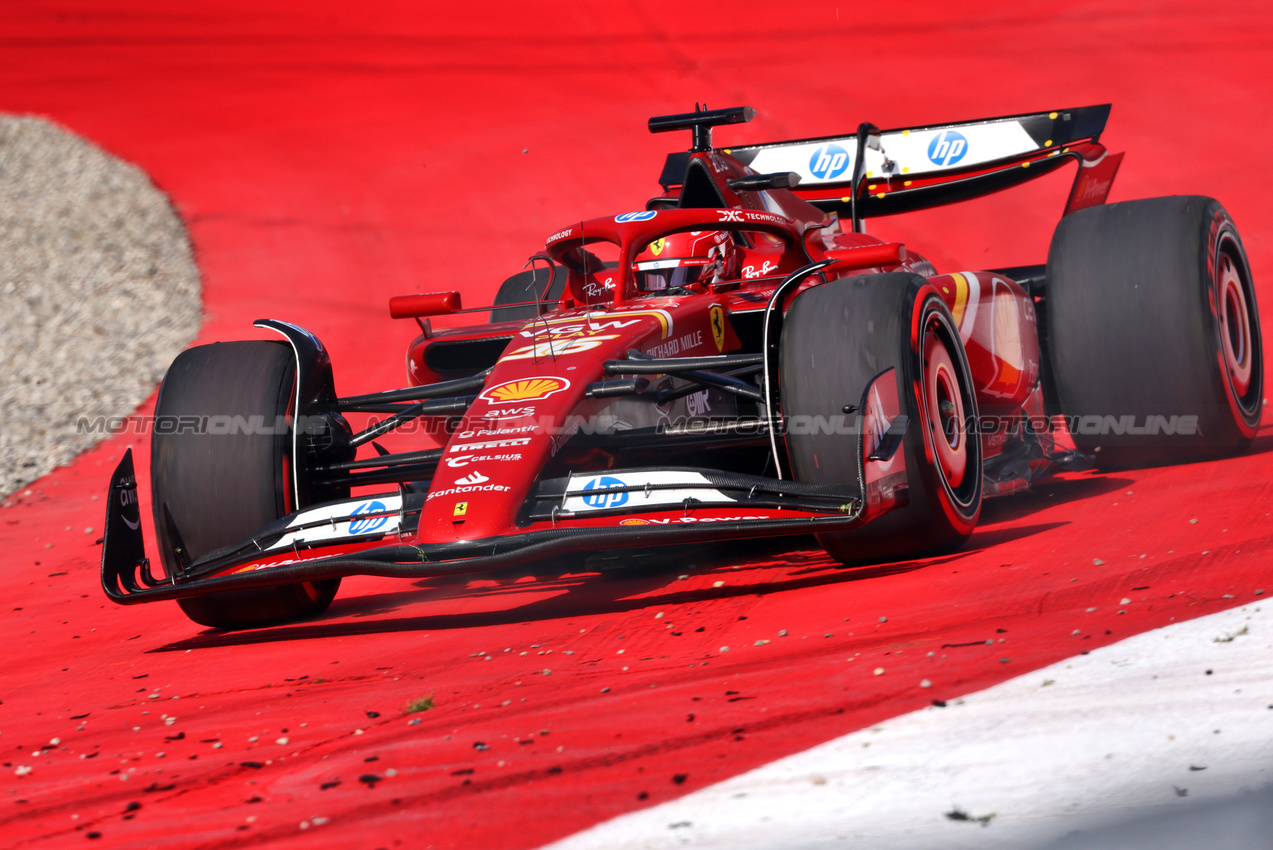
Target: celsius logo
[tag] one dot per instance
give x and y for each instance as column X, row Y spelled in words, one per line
column 636, row 216
column 947, row 148
column 828, row 162
column 365, row 526
column 604, row 500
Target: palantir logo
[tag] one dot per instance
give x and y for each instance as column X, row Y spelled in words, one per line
column 366, row 526
column 828, row 162
column 947, row 148
column 604, row 500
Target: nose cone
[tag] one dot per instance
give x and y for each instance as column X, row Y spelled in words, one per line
column 495, row 455
column 533, row 401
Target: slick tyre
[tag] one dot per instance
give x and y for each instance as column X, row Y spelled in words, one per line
column 836, row 338
column 218, row 487
column 1153, row 333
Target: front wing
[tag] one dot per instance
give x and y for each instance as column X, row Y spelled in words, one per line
column 376, row 535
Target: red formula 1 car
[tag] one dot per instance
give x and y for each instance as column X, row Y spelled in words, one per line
column 737, row 359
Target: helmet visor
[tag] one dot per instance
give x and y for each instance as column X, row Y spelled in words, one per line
column 669, row 274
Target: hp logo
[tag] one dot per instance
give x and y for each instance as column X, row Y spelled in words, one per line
column 604, row 500
column 828, row 162
column 365, row 526
column 636, row 216
column 947, row 148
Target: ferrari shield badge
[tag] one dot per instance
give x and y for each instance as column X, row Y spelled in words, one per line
column 717, row 318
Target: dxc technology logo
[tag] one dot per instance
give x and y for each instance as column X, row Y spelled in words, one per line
column 828, row 162
column 947, row 148
column 365, row 526
column 604, row 500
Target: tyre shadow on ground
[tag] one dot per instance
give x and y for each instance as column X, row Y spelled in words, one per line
column 753, row 568
column 1046, row 493
column 618, row 582
column 1262, row 444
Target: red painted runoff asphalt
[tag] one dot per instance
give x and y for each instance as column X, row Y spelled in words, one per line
column 329, row 155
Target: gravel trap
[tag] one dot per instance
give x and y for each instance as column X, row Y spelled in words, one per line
column 98, row 293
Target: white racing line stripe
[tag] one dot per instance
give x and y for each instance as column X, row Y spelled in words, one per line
column 1133, row 745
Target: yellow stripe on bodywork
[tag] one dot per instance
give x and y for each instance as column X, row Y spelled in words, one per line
column 961, row 299
column 663, row 316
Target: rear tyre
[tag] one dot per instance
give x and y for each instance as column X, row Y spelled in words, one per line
column 837, row 338
column 1153, row 332
column 219, row 488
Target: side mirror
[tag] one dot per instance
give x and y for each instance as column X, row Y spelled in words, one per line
column 887, row 255
column 428, row 304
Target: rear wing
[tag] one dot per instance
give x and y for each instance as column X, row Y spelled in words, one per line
column 914, row 168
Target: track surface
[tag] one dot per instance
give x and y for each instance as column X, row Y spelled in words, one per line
column 329, row 156
column 1163, row 740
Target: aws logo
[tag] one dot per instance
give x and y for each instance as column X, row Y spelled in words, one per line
column 525, row 389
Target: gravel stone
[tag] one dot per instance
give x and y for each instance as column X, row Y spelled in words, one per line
column 98, row 287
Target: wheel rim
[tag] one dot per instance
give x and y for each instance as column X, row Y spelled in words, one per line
column 1235, row 327
column 944, row 410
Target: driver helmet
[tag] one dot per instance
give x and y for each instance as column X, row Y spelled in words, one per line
column 685, row 259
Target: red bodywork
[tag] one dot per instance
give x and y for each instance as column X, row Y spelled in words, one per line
column 543, row 382
column 571, row 344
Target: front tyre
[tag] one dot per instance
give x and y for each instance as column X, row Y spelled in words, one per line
column 836, row 339
column 220, row 465
column 1153, row 332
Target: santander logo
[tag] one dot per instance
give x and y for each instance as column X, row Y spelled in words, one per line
column 475, row 478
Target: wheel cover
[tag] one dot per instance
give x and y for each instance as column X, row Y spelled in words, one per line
column 1235, row 327
column 943, row 414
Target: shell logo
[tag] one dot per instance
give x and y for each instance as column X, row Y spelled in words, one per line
column 634, row 522
column 525, row 389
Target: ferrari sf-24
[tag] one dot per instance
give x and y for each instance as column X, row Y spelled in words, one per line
column 738, row 358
